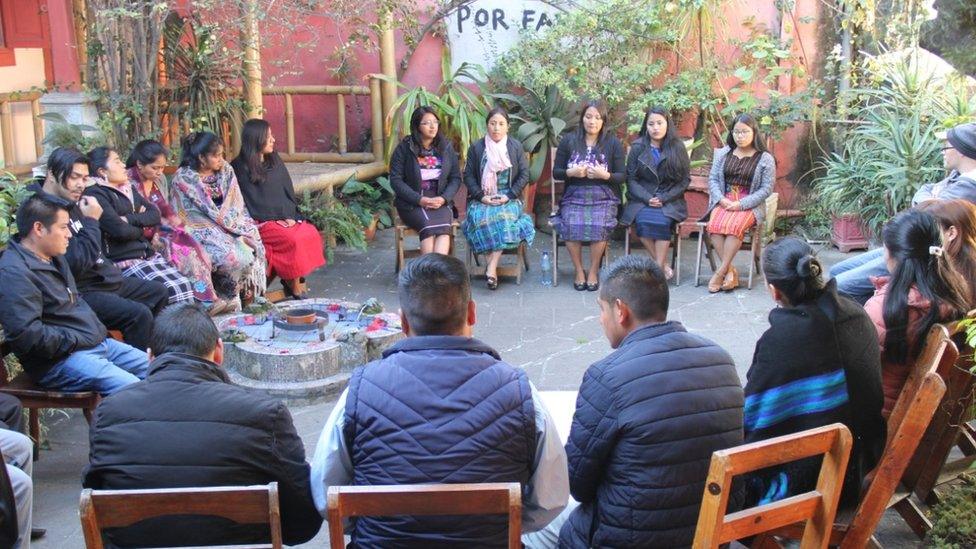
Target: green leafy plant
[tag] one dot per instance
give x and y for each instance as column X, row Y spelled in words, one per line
column 334, row 219
column 539, row 121
column 12, row 193
column 62, row 133
column 368, row 199
column 462, row 111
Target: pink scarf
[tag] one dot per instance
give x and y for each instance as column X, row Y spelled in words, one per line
column 498, row 161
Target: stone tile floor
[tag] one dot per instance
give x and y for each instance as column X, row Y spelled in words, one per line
column 552, row 332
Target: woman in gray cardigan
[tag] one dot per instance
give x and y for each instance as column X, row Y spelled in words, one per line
column 742, row 177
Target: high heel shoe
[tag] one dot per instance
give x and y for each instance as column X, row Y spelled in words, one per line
column 731, row 280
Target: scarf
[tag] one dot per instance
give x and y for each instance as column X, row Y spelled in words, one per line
column 124, row 189
column 498, row 160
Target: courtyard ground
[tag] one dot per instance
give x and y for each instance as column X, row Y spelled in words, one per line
column 552, row 332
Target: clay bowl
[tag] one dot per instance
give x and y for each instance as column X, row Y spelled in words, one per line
column 301, row 316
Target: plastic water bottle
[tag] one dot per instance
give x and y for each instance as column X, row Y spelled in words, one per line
column 546, row 269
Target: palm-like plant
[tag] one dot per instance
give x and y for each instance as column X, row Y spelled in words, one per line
column 540, row 119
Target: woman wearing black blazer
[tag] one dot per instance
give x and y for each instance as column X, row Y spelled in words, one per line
column 657, row 177
column 425, row 175
column 495, row 174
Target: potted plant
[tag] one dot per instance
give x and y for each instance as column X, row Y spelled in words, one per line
column 371, row 203
column 334, row 220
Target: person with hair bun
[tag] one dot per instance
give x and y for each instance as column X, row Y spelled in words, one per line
column 811, row 368
column 924, row 289
column 205, row 195
column 957, row 219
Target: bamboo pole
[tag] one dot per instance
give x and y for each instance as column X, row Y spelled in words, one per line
column 330, row 157
column 7, row 129
column 388, row 61
column 341, row 119
column 38, row 128
column 316, row 90
column 252, row 60
column 376, row 116
column 79, row 13
column 326, row 182
column 290, row 123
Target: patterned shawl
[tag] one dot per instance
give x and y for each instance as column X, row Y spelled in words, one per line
column 190, row 201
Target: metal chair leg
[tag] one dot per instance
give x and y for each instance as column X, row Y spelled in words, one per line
column 698, row 260
column 627, row 240
column 555, row 259
column 676, row 259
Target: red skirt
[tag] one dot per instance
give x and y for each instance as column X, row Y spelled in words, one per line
column 292, row 251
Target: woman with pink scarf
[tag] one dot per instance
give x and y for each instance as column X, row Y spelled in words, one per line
column 495, row 174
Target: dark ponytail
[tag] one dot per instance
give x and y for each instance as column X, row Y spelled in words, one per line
column 793, row 269
column 913, row 240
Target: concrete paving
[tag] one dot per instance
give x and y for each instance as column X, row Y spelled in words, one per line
column 552, row 332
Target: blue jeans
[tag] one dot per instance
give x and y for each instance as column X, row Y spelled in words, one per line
column 853, row 274
column 105, row 368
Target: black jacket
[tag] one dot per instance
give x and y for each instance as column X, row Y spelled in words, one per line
column 93, row 271
column 518, row 178
column 644, row 183
column 647, row 420
column 187, row 425
column 124, row 239
column 817, row 357
column 609, row 147
column 405, row 174
column 271, row 200
column 42, row 316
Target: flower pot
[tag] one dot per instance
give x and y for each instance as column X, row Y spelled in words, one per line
column 300, row 316
column 848, row 233
column 370, row 231
column 697, row 199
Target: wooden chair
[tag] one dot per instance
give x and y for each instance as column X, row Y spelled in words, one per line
column 101, row 509
column 34, row 397
column 918, row 401
column 553, row 212
column 515, row 270
column 425, row 499
column 757, row 238
column 401, row 232
column 816, row 508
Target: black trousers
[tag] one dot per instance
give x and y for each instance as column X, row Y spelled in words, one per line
column 131, row 309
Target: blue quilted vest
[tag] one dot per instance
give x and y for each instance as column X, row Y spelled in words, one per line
column 438, row 409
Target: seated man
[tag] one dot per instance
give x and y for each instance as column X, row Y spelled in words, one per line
column 647, row 420
column 188, row 425
column 853, row 275
column 121, row 303
column 18, row 453
column 441, row 407
column 57, row 337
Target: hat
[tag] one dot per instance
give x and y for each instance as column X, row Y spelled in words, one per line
column 963, row 139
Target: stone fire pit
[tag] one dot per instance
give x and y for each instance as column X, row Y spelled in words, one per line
column 303, row 351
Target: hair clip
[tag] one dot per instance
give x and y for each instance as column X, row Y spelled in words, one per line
column 937, row 251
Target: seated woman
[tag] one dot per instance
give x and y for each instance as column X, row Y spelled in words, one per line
column 293, row 247
column 810, row 369
column 957, row 219
column 145, row 165
column 742, row 177
column 205, row 195
column 657, row 177
column 924, row 289
column 591, row 162
column 125, row 216
column 495, row 174
column 425, row 174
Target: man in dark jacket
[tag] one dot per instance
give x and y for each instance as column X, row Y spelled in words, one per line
column 188, row 425
column 121, row 303
column 441, row 407
column 647, row 420
column 57, row 337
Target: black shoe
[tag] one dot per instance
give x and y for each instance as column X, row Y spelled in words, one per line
column 593, row 287
column 579, row 286
column 37, row 533
column 492, row 283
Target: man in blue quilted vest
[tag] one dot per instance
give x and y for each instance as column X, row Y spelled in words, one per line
column 441, row 407
column 647, row 420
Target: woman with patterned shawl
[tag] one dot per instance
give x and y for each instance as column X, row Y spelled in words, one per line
column 205, row 195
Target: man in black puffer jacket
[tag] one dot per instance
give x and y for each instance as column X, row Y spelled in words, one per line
column 187, row 425
column 647, row 420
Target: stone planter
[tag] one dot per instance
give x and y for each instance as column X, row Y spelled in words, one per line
column 848, row 233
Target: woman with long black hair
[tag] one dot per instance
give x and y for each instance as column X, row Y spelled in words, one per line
column 293, row 247
column 658, row 173
column 924, row 289
column 425, row 174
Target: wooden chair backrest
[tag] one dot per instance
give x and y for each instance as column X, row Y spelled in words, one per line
column 939, row 352
column 902, row 443
column 816, row 508
column 503, row 498
column 769, row 223
column 552, row 179
column 102, row 509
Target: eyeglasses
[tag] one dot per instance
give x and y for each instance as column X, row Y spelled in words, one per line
column 947, row 148
column 741, row 132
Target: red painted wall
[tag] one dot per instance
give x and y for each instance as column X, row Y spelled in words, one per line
column 64, row 53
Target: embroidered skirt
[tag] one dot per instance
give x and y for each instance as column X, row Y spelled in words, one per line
column 157, row 268
column 731, row 223
column 292, row 252
column 652, row 223
column 587, row 213
column 490, row 228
